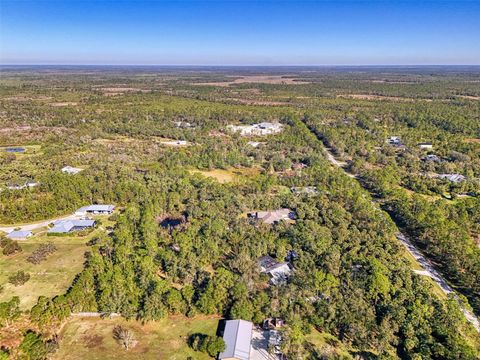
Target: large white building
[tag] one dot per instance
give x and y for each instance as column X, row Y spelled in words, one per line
column 95, row 210
column 238, row 337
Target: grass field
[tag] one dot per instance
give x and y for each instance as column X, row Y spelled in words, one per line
column 49, row 278
column 227, row 176
column 91, row 338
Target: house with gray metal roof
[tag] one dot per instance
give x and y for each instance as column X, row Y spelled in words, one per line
column 68, row 226
column 238, row 337
column 95, row 210
column 19, row 235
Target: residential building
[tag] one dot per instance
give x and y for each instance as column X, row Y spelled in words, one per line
column 425, row 145
column 273, row 323
column 263, row 128
column 273, row 216
column 455, row 178
column 432, row 158
column 19, row 235
column 278, row 272
column 68, row 226
column 305, row 190
column 95, row 210
column 71, row 170
column 28, row 184
column 238, row 337
column 394, row 140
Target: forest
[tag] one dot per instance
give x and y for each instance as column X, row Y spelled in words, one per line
column 180, row 243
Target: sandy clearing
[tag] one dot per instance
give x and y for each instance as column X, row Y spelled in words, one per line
column 62, row 104
column 379, row 97
column 468, row 97
column 259, row 79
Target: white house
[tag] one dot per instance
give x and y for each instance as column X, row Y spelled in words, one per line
column 71, row 170
column 238, row 338
column 455, row 178
column 425, row 145
column 95, row 210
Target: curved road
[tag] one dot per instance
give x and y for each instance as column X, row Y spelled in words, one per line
column 36, row 225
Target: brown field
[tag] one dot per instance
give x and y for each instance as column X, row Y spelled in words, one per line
column 62, row 104
column 91, row 338
column 226, row 176
column 257, row 79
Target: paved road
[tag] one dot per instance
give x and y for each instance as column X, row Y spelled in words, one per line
column 428, row 268
column 36, row 225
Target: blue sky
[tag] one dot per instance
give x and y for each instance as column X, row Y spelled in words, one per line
column 239, row 32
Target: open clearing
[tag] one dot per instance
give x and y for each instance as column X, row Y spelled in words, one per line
column 49, row 278
column 91, row 338
column 226, row 176
column 257, row 79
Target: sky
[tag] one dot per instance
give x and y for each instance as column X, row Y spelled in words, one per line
column 178, row 32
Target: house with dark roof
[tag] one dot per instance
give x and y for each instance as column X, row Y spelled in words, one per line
column 238, row 337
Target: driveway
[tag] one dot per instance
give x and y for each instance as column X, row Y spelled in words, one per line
column 36, row 225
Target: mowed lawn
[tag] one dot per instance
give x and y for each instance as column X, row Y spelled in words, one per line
column 91, row 338
column 52, row 276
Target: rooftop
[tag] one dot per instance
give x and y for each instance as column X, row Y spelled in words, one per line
column 18, row 234
column 237, row 336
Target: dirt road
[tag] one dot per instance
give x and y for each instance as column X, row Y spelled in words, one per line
column 36, row 225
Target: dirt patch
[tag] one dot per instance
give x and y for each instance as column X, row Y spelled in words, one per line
column 472, row 140
column 113, row 91
column 257, row 79
column 469, row 97
column 376, row 97
column 259, row 102
column 62, row 104
column 92, row 341
column 25, row 98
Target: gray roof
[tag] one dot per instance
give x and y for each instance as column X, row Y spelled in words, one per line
column 65, row 226
column 95, row 208
column 18, row 234
column 237, row 337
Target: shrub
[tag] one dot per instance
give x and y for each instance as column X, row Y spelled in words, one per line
column 19, row 278
column 41, row 253
column 205, row 343
column 10, row 247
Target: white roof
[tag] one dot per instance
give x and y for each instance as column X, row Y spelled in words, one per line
column 71, row 170
column 96, row 207
column 237, row 337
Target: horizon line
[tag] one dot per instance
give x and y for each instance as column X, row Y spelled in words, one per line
column 247, row 65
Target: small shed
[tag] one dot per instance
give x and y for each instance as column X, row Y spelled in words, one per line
column 19, row 235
